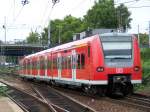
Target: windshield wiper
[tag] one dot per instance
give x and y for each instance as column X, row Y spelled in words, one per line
column 120, row 58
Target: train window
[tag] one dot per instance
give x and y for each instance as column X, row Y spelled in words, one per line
column 38, row 64
column 45, row 63
column 82, row 61
column 59, row 62
column 63, row 62
column 49, row 63
column 78, row 61
column 69, row 62
column 32, row 63
column 28, row 65
column 54, row 63
column 88, row 51
column 42, row 63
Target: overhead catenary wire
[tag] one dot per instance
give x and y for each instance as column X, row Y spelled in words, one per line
column 18, row 14
column 126, row 2
column 44, row 14
column 49, row 16
column 140, row 7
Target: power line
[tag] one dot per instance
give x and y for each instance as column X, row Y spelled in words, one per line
column 44, row 14
column 24, row 2
column 127, row 2
column 139, row 7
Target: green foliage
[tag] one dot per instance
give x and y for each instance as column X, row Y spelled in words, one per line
column 104, row 15
column 143, row 39
column 33, row 38
column 145, row 55
column 44, row 38
column 123, row 17
column 63, row 29
column 3, row 90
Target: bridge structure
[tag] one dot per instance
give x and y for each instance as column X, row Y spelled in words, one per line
column 20, row 50
column 12, row 53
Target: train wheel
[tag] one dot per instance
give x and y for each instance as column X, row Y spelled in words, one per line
column 91, row 90
column 128, row 89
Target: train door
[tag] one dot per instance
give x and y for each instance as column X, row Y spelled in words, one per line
column 49, row 65
column 38, row 66
column 73, row 63
column 59, row 65
column 45, row 63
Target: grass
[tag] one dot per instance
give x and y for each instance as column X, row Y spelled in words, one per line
column 3, row 90
column 145, row 56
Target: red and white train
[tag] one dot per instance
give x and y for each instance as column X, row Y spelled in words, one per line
column 101, row 63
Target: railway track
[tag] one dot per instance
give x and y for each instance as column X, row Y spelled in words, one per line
column 53, row 99
column 140, row 102
column 27, row 101
column 46, row 99
column 60, row 100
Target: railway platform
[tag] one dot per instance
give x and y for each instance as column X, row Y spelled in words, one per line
column 7, row 105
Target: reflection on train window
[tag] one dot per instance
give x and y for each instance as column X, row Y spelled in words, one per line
column 69, row 62
column 42, row 63
column 54, row 63
column 82, row 61
column 38, row 64
column 78, row 61
column 64, row 63
column 49, row 63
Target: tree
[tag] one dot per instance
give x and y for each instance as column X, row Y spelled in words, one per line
column 123, row 17
column 44, row 37
column 63, row 30
column 33, row 38
column 104, row 15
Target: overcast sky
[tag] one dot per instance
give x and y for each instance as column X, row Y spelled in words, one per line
column 35, row 15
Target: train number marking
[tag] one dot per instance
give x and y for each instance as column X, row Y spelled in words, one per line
column 119, row 70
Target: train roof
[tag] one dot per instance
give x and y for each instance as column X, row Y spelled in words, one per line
column 115, row 34
column 78, row 42
column 64, row 46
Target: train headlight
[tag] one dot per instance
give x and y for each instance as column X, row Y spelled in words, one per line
column 136, row 68
column 100, row 69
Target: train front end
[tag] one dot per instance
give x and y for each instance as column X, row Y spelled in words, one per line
column 122, row 64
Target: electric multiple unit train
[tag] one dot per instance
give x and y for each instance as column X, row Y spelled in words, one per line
column 105, row 63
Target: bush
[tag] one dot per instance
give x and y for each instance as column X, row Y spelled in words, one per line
column 3, row 90
column 145, row 56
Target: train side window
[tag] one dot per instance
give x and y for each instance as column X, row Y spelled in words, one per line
column 32, row 65
column 88, row 51
column 69, row 62
column 54, row 63
column 49, row 63
column 38, row 64
column 82, row 61
column 78, row 61
column 65, row 62
column 42, row 64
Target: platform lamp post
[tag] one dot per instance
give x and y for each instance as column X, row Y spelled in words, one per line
column 3, row 49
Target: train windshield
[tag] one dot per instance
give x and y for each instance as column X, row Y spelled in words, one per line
column 117, row 50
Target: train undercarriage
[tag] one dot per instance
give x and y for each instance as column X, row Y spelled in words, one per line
column 118, row 85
